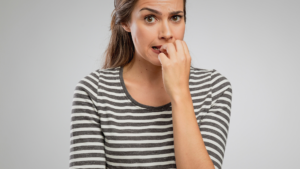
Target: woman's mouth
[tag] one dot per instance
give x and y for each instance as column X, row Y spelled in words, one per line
column 156, row 49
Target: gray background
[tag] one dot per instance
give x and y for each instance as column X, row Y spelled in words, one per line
column 46, row 47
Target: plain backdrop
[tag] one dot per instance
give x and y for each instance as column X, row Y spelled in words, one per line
column 47, row 46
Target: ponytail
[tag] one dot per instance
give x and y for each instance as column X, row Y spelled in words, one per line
column 120, row 49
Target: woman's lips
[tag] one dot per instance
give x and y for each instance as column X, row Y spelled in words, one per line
column 158, row 46
column 156, row 51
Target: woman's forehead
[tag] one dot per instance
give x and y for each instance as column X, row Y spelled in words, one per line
column 164, row 6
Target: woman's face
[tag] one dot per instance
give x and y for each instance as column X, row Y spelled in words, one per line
column 154, row 23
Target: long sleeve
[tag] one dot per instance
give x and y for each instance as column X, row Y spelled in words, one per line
column 86, row 138
column 214, row 126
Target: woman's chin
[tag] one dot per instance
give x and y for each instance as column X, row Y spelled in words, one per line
column 157, row 62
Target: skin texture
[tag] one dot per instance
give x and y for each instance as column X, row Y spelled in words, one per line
column 169, row 69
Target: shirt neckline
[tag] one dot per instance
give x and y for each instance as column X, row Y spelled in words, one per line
column 163, row 107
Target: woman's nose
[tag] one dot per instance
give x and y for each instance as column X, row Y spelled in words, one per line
column 165, row 31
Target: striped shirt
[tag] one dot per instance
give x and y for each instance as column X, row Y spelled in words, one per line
column 109, row 129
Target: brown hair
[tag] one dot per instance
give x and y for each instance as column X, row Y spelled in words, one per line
column 120, row 49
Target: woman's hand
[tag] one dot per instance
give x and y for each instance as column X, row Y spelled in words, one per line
column 176, row 62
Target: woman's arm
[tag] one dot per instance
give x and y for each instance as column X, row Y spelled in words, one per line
column 204, row 147
column 86, row 138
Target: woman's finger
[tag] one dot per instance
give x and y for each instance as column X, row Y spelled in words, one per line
column 180, row 50
column 186, row 50
column 169, row 50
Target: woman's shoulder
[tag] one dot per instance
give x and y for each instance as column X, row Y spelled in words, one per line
column 97, row 73
column 92, row 79
column 210, row 80
column 213, row 76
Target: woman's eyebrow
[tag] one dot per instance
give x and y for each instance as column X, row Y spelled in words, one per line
column 159, row 13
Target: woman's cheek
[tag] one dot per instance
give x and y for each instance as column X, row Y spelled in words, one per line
column 179, row 32
column 144, row 33
column 145, row 37
column 137, row 38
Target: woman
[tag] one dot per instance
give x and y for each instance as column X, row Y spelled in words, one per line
column 148, row 107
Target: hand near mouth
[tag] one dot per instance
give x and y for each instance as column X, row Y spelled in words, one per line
column 176, row 61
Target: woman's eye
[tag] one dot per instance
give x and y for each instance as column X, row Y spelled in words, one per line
column 177, row 18
column 151, row 18
column 147, row 18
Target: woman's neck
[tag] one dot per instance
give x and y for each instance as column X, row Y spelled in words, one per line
column 143, row 72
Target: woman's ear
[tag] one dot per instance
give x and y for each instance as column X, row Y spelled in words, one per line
column 126, row 27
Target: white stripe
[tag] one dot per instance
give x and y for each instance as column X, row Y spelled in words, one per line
column 87, row 166
column 84, row 129
column 136, row 121
column 108, row 112
column 84, row 122
column 86, row 152
column 138, row 141
column 140, row 149
column 86, row 144
column 86, row 136
column 110, row 87
column 87, row 159
column 136, row 127
column 140, row 157
column 84, row 107
column 84, row 115
column 138, row 134
column 140, row 164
